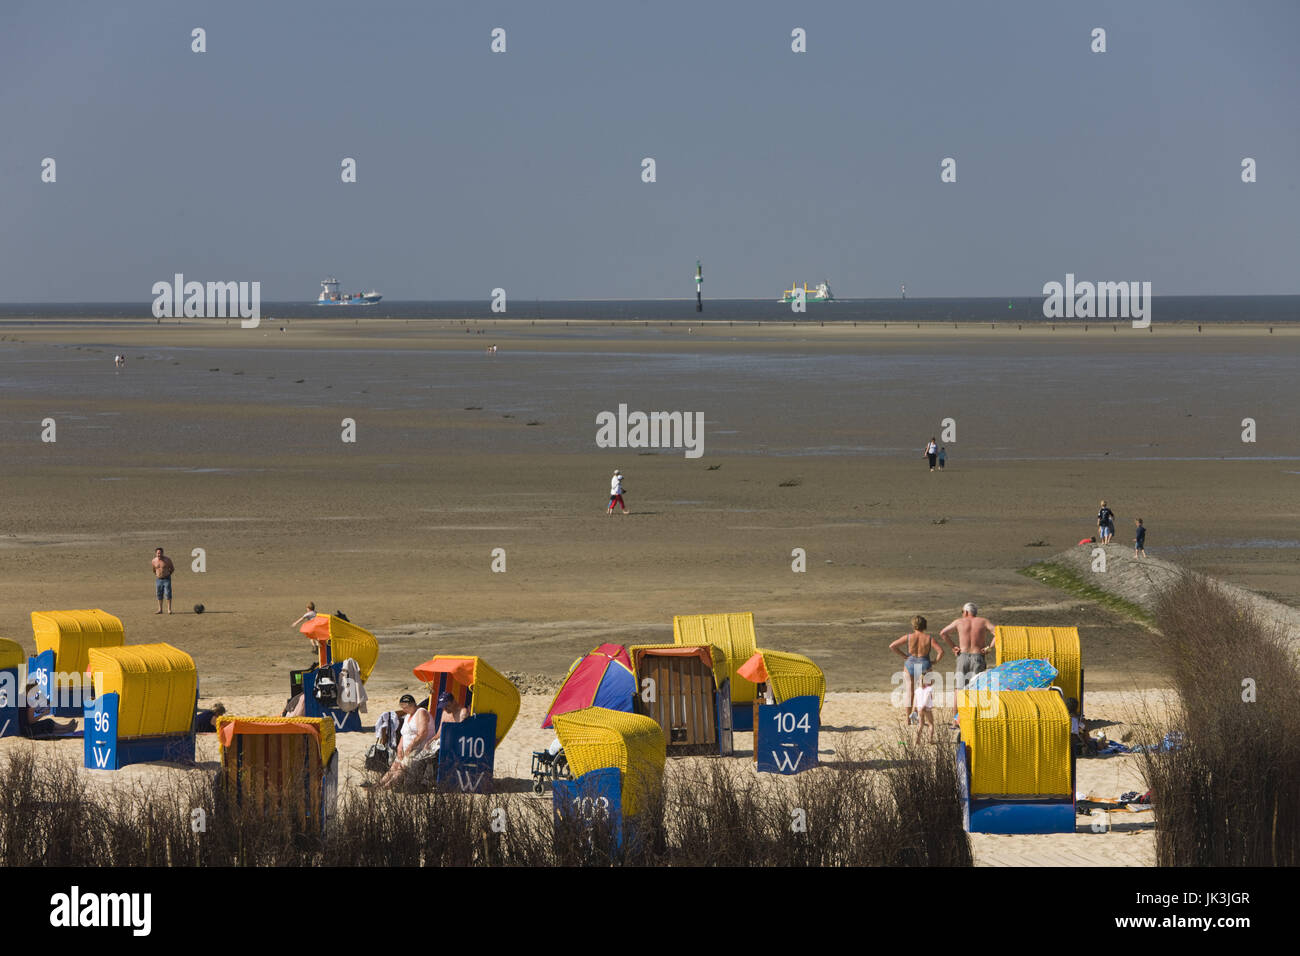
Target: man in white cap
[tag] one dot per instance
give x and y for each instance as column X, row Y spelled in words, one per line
column 616, row 492
column 974, row 640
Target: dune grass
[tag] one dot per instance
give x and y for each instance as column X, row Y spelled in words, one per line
column 1230, row 794
column 902, row 811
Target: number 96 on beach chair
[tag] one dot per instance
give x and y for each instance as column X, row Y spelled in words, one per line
column 144, row 710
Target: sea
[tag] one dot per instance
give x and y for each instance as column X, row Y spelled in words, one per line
column 1203, row 309
column 1117, row 395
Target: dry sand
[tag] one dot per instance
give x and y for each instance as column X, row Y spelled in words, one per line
column 399, row 529
column 854, row 726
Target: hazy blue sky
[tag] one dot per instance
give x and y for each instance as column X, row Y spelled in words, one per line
column 523, row 170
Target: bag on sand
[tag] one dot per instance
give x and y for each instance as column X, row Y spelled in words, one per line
column 379, row 757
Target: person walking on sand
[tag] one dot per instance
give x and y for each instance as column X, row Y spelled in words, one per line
column 974, row 640
column 162, row 572
column 931, row 452
column 917, row 661
column 1105, row 524
column 616, row 493
column 1140, row 538
column 943, row 457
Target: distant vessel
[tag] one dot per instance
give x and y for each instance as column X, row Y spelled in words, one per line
column 822, row 293
column 330, row 295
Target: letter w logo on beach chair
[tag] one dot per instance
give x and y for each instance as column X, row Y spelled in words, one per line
column 467, row 753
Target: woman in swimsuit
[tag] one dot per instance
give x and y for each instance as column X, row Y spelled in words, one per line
column 917, row 661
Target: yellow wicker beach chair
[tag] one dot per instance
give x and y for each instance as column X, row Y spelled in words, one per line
column 1059, row 646
column 156, row 685
column 11, row 654
column 732, row 634
column 1019, row 743
column 467, row 677
column 345, row 640
column 595, row 737
column 71, row 634
column 789, row 675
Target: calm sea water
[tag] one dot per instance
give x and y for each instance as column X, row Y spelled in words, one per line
column 1266, row 309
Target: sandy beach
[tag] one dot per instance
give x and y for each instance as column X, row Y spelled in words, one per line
column 228, row 440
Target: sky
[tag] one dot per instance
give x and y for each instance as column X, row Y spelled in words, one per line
column 523, row 170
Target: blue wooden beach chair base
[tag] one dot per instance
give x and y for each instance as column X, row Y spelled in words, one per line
column 1005, row 814
column 345, row 721
column 104, row 750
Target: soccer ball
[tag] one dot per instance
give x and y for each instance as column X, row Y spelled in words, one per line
column 198, row 609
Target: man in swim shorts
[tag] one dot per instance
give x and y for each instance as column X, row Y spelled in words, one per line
column 162, row 572
column 974, row 640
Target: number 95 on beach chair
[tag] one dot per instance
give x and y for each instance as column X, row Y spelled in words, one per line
column 144, row 708
column 1015, row 766
column 64, row 640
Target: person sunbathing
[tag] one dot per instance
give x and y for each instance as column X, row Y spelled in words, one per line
column 39, row 719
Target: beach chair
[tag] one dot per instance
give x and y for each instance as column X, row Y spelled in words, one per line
column 1059, row 646
column 337, row 640
column 467, row 750
column 733, row 635
column 144, row 710
column 618, row 764
column 64, row 640
column 596, row 738
column 13, row 697
column 787, row 730
column 280, row 765
column 686, row 689
column 1015, row 762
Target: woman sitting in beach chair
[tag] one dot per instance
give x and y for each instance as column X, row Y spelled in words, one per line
column 416, row 732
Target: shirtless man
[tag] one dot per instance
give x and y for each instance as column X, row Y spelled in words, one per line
column 974, row 640
column 162, row 572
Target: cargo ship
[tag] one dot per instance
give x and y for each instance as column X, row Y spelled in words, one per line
column 822, row 293
column 330, row 295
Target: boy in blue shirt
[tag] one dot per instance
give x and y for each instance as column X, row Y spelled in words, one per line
column 1140, row 542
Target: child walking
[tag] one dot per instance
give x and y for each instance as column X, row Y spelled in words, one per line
column 924, row 701
column 1140, row 540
